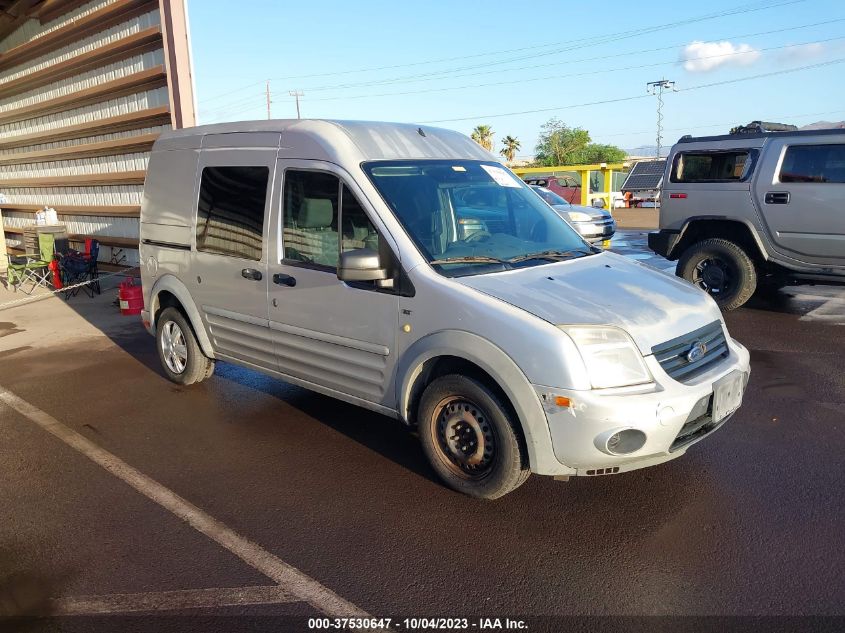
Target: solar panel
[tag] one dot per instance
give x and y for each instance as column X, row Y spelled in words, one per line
column 646, row 175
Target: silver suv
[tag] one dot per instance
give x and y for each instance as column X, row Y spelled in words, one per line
column 348, row 258
column 755, row 211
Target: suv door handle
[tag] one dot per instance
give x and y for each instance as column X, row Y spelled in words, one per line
column 284, row 280
column 777, row 197
column 251, row 273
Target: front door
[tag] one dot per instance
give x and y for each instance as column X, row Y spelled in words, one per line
column 229, row 271
column 334, row 334
column 801, row 194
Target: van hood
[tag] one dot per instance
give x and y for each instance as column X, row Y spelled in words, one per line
column 604, row 289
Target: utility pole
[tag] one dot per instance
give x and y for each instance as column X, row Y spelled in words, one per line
column 297, row 94
column 657, row 88
column 269, row 115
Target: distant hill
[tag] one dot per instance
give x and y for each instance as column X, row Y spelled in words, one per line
column 824, row 125
column 645, row 150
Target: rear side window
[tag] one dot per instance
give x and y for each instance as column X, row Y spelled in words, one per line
column 813, row 163
column 230, row 212
column 712, row 166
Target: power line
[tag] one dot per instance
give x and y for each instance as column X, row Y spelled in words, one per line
column 636, row 97
column 581, row 43
column 568, row 75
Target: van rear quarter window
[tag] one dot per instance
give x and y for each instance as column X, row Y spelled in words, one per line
column 230, row 211
column 813, row 163
column 712, row 166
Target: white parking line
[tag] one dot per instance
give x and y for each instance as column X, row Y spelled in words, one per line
column 119, row 603
column 291, row 580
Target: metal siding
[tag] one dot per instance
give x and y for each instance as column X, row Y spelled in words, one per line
column 99, row 196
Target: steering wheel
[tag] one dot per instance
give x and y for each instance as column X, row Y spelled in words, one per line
column 478, row 236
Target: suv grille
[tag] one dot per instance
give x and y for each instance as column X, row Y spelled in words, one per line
column 673, row 355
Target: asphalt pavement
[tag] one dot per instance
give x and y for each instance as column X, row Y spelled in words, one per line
column 244, row 503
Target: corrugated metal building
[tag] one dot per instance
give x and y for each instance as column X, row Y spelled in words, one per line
column 85, row 89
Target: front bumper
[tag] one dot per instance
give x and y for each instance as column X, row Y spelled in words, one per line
column 672, row 415
column 596, row 230
column 663, row 242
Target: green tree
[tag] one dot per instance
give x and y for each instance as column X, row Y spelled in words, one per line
column 511, row 147
column 598, row 153
column 483, row 135
column 560, row 144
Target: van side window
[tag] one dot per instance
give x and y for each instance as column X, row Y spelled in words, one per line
column 358, row 231
column 711, row 166
column 230, row 211
column 310, row 232
column 813, row 163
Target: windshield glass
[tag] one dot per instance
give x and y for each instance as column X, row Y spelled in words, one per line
column 473, row 217
column 549, row 196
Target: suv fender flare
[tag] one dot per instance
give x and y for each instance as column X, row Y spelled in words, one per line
column 175, row 287
column 755, row 235
column 501, row 368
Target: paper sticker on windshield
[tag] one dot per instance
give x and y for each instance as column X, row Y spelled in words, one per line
column 501, row 177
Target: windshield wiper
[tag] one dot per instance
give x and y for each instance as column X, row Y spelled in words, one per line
column 551, row 255
column 469, row 259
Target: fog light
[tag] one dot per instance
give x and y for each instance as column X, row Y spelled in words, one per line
column 624, row 442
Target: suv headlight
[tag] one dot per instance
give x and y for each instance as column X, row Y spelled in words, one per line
column 611, row 358
column 578, row 216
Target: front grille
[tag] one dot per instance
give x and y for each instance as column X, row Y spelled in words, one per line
column 672, row 355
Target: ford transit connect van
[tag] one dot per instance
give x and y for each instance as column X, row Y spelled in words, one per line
column 333, row 256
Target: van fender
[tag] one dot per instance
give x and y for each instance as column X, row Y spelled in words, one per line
column 503, row 370
column 171, row 284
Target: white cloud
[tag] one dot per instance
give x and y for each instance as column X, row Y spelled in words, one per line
column 702, row 57
column 801, row 52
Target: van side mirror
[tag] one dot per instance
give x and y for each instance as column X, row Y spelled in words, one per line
column 361, row 264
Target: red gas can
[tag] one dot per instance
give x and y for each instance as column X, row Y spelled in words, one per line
column 130, row 297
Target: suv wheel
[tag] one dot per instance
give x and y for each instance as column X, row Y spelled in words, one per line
column 720, row 268
column 469, row 438
column 178, row 350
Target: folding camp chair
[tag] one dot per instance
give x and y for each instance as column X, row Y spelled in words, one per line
column 81, row 267
column 32, row 267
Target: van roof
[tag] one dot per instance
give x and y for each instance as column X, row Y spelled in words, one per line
column 760, row 135
column 331, row 140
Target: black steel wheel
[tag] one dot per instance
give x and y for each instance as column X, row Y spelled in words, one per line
column 722, row 269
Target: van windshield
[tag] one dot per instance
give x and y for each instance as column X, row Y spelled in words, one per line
column 473, row 217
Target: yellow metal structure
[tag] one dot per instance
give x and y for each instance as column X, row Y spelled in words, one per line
column 584, row 172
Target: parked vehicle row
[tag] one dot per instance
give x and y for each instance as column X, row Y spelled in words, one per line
column 401, row 269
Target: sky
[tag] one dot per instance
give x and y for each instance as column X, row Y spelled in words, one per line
column 461, row 63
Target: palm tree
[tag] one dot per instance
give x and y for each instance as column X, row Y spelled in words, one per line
column 483, row 135
column 511, row 147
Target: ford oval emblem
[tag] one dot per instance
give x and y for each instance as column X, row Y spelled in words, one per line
column 696, row 351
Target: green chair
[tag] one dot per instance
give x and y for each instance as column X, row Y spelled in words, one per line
column 32, row 267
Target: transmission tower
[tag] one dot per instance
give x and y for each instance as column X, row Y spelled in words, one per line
column 657, row 88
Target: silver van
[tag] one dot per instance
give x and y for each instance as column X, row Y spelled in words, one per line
column 334, row 255
column 754, row 210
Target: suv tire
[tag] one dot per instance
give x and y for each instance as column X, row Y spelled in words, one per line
column 178, row 350
column 722, row 269
column 470, row 439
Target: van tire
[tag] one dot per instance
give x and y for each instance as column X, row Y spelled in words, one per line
column 453, row 406
column 730, row 263
column 185, row 369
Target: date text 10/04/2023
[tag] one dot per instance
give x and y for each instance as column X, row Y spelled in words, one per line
column 418, row 624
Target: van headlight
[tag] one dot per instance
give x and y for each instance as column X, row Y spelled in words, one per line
column 578, row 216
column 611, row 358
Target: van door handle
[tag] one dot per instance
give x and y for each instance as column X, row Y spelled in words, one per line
column 251, row 273
column 284, row 280
column 777, row 197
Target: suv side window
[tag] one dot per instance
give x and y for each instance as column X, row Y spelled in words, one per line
column 813, row 163
column 712, row 166
column 230, row 211
column 310, row 232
